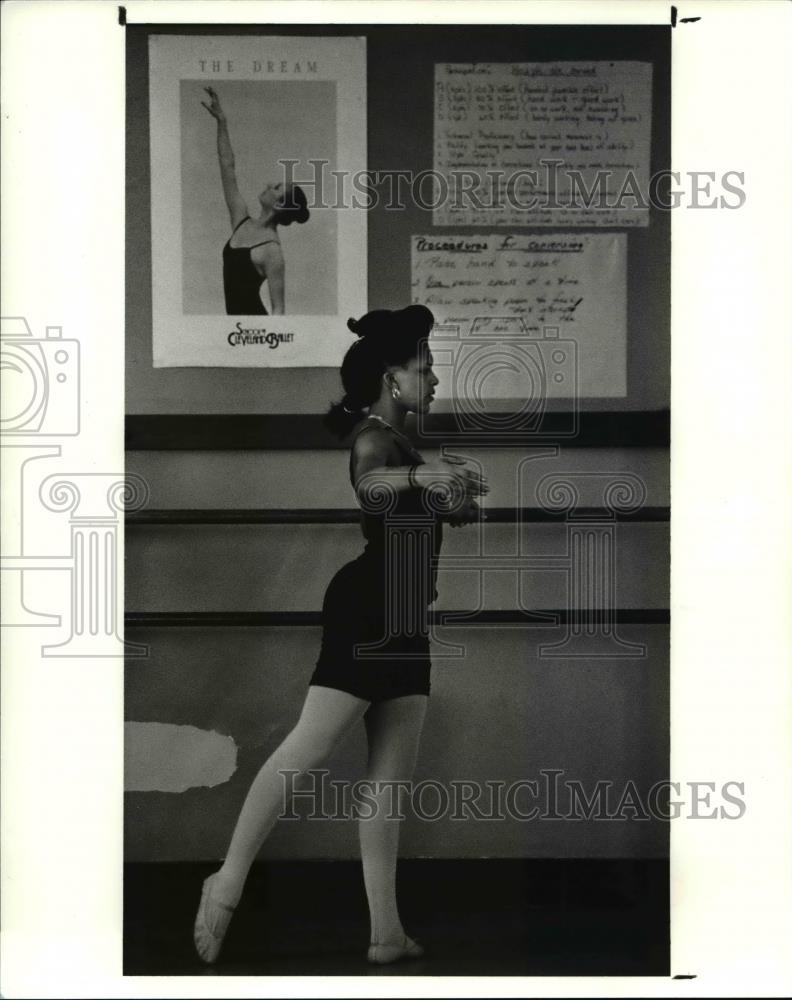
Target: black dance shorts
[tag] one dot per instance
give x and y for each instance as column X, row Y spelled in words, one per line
column 353, row 613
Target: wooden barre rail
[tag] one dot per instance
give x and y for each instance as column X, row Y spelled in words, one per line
column 343, row 515
column 312, row 619
column 296, row 431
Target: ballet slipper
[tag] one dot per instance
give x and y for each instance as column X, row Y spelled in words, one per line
column 383, row 954
column 208, row 941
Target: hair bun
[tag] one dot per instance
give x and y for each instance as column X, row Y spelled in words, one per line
column 353, row 325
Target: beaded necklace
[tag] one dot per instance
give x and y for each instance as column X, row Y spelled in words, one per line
column 382, row 420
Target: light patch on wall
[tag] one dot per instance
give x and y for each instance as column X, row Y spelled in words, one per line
column 161, row 757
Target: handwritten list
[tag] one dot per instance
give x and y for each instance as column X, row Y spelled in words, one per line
column 574, row 285
column 542, row 144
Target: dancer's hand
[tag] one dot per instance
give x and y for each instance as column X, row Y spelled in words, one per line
column 468, row 513
column 454, row 474
column 215, row 108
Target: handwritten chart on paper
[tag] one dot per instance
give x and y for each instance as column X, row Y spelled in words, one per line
column 542, row 144
column 523, row 285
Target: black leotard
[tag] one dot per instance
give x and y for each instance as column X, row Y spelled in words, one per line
column 393, row 579
column 241, row 281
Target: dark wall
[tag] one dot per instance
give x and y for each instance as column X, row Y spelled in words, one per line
column 209, row 704
column 498, row 714
column 501, row 712
column 400, row 121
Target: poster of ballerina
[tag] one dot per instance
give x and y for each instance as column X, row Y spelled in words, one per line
column 255, row 262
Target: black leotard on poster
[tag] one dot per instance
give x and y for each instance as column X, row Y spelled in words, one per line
column 393, row 578
column 241, row 281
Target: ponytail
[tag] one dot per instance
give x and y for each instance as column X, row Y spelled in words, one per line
column 342, row 417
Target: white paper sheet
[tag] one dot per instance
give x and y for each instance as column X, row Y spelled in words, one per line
column 506, row 289
column 542, row 144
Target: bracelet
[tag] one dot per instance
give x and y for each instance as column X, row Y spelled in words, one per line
column 411, row 478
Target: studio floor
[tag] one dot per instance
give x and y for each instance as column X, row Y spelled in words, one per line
column 482, row 917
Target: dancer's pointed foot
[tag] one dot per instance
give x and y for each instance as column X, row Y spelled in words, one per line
column 211, row 923
column 386, row 952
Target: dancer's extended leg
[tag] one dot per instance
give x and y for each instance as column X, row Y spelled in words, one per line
column 393, row 728
column 327, row 715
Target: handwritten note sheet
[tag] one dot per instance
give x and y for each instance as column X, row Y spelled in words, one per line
column 573, row 284
column 542, row 144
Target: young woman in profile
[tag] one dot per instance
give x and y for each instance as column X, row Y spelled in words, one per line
column 255, row 255
column 378, row 599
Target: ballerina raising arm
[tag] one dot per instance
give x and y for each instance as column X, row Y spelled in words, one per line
column 237, row 208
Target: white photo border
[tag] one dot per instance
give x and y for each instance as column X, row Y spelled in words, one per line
column 62, row 747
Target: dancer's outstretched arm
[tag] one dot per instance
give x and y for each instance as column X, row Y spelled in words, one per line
column 236, row 203
column 372, row 471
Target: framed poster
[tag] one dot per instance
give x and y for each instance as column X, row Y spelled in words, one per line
column 253, row 262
